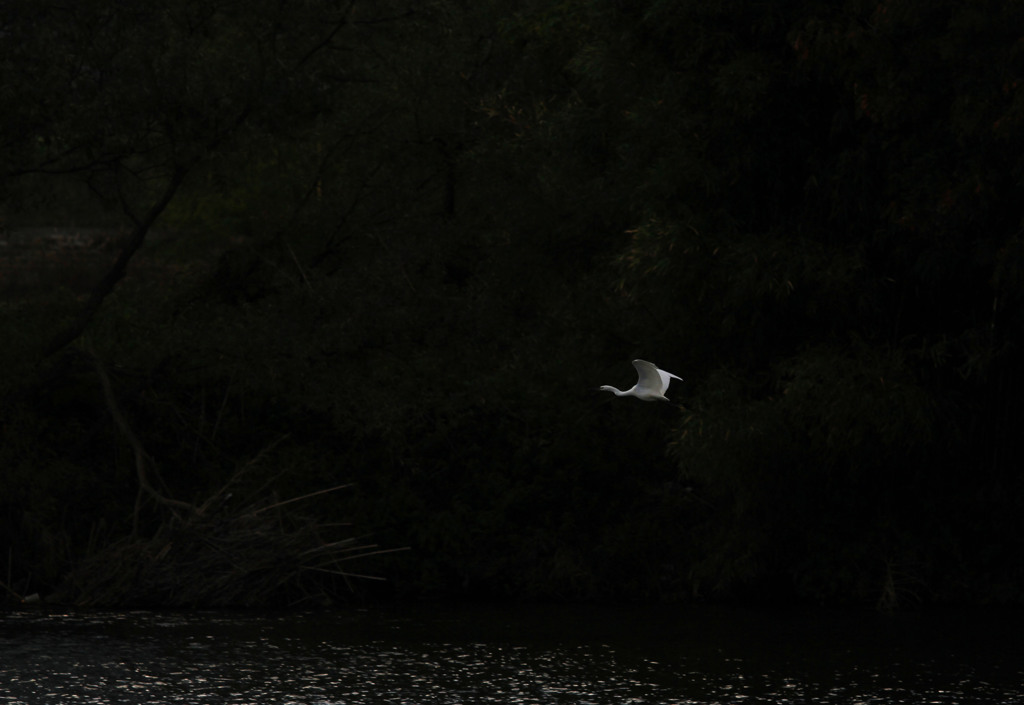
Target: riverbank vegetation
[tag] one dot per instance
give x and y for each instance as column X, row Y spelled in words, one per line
column 398, row 246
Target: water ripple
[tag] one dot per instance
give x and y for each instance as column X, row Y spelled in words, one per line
column 224, row 658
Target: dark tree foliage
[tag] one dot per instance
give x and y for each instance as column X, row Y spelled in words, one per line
column 401, row 243
column 836, row 215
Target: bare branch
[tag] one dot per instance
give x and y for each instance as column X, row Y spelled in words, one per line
column 117, row 271
column 142, row 460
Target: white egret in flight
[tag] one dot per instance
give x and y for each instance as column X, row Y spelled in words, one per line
column 653, row 383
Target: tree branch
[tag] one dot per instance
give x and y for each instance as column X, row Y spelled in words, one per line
column 106, row 285
column 142, row 460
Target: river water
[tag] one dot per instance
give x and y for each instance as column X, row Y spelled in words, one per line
column 526, row 655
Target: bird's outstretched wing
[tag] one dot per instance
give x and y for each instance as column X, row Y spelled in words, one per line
column 650, row 379
column 666, row 377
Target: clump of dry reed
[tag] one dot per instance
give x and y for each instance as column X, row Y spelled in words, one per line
column 255, row 556
column 255, row 553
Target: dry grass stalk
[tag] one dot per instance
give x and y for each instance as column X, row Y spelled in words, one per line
column 211, row 554
column 253, row 557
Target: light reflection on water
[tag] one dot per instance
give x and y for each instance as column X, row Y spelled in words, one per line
column 499, row 656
